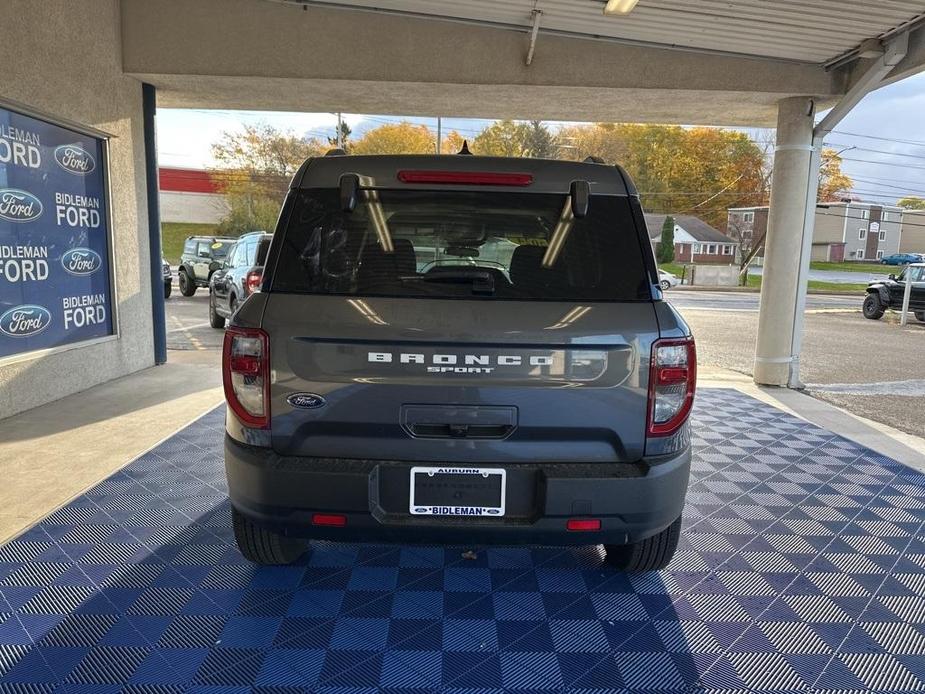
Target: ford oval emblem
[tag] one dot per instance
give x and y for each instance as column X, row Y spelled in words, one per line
column 81, row 261
column 19, row 205
column 75, row 159
column 24, row 321
column 306, row 401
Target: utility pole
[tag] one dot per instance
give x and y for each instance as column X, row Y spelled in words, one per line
column 340, row 132
column 439, row 134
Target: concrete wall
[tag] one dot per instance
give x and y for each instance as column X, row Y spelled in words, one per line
column 715, row 275
column 192, row 208
column 63, row 58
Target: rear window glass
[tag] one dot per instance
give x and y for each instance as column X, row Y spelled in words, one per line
column 456, row 244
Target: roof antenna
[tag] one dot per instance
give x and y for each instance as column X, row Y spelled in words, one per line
column 465, row 149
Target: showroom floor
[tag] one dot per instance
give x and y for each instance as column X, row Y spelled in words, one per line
column 801, row 568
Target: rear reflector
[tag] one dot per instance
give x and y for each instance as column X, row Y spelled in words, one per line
column 466, row 178
column 583, row 524
column 333, row 519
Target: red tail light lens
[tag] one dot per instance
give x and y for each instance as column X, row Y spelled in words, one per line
column 583, row 524
column 468, row 178
column 672, row 382
column 246, row 375
column 252, row 281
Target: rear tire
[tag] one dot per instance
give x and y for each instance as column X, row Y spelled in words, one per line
column 215, row 320
column 167, row 289
column 872, row 308
column 652, row 554
column 263, row 546
column 920, row 316
column 187, row 285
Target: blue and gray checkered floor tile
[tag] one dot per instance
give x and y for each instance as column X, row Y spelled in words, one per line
column 801, row 569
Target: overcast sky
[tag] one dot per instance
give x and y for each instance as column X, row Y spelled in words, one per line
column 886, row 134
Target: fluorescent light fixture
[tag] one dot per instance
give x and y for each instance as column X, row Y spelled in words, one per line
column 619, row 6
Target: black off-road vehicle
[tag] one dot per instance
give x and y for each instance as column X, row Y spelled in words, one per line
column 459, row 349
column 889, row 293
column 202, row 255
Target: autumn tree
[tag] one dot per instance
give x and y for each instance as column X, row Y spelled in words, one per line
column 452, row 143
column 833, row 184
column 503, row 138
column 911, row 202
column 253, row 169
column 698, row 171
column 395, row 138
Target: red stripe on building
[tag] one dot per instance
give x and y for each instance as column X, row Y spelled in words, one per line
column 186, row 181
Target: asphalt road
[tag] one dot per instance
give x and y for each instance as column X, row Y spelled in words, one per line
column 873, row 368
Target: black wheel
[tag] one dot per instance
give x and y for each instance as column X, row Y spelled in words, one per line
column 665, row 285
column 187, row 285
column 263, row 546
column 872, row 307
column 652, row 554
column 920, row 316
column 215, row 320
column 167, row 288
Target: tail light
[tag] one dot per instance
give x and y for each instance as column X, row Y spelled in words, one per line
column 252, row 281
column 246, row 375
column 672, row 381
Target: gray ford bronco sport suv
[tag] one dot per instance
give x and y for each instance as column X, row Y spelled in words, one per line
column 461, row 350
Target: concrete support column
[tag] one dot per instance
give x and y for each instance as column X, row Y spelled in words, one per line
column 794, row 184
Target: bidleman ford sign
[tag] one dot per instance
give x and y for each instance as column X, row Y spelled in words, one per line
column 54, row 237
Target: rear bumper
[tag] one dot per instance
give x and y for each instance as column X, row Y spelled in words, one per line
column 632, row 500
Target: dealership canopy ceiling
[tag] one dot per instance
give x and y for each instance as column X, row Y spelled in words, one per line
column 708, row 61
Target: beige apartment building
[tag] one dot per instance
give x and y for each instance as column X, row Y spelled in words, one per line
column 843, row 230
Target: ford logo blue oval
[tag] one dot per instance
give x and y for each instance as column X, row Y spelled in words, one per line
column 306, row 401
column 24, row 321
column 19, row 205
column 81, row 261
column 75, row 159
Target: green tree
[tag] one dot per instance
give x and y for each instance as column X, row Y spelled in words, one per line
column 911, row 202
column 540, row 143
column 396, row 138
column 254, row 166
column 345, row 132
column 665, row 252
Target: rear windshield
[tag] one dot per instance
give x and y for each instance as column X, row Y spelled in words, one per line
column 455, row 244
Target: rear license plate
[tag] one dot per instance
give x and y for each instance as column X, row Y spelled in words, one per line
column 457, row 491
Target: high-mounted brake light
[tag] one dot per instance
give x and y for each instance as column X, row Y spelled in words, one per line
column 466, row 178
column 246, row 375
column 252, row 281
column 672, row 382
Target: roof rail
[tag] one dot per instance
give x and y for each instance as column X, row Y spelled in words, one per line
column 336, row 152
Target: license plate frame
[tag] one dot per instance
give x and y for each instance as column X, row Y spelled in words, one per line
column 418, row 507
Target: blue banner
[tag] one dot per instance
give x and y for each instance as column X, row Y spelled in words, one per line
column 54, row 236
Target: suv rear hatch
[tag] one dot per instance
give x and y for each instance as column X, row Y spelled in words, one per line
column 460, row 324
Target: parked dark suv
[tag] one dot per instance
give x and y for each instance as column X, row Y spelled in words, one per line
column 202, row 255
column 238, row 277
column 888, row 293
column 459, row 349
